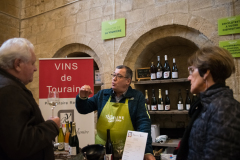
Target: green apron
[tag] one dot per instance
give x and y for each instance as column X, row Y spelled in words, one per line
column 116, row 117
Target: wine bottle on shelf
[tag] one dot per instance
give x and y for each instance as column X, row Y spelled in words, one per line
column 180, row 101
column 153, row 101
column 159, row 69
column 109, row 147
column 174, row 70
column 66, row 139
column 147, row 100
column 160, row 101
column 74, row 146
column 167, row 101
column 70, row 137
column 188, row 100
column 61, row 139
column 153, row 72
column 194, row 98
column 166, row 73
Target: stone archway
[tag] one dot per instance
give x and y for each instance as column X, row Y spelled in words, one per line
column 195, row 29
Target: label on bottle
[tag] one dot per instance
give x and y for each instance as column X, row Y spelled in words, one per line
column 166, row 74
column 66, row 146
column 149, row 107
column 159, row 74
column 174, row 74
column 187, row 106
column 167, row 107
column 160, row 107
column 153, row 75
column 180, row 106
column 108, row 157
column 61, row 146
column 154, row 107
column 73, row 151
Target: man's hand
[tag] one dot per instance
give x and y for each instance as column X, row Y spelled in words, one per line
column 85, row 91
column 149, row 157
column 56, row 120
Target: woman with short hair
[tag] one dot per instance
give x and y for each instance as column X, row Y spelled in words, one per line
column 214, row 129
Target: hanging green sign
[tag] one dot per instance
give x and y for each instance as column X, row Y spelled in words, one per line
column 233, row 46
column 229, row 25
column 113, row 29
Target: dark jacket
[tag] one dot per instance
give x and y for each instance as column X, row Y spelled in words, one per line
column 24, row 133
column 216, row 130
column 138, row 113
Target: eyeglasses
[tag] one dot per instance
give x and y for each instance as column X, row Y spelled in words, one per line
column 191, row 70
column 119, row 76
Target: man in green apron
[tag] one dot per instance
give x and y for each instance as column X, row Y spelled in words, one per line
column 120, row 109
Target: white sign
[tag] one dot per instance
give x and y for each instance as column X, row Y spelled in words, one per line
column 135, row 145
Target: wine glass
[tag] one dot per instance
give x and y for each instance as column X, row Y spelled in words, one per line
column 53, row 99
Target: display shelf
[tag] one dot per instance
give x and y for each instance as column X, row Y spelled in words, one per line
column 169, row 112
column 168, row 143
column 162, row 81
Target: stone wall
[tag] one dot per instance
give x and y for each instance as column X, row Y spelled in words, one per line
column 9, row 19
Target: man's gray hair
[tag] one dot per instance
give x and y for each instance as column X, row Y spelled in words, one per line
column 129, row 72
column 15, row 48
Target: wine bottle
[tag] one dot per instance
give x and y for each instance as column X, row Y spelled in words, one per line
column 194, row 99
column 74, row 146
column 174, row 70
column 61, row 139
column 180, row 101
column 66, row 139
column 70, row 137
column 167, row 101
column 166, row 73
column 159, row 69
column 153, row 101
column 153, row 72
column 109, row 147
column 147, row 100
column 160, row 101
column 188, row 100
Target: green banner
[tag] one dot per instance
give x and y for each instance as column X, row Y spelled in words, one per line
column 113, row 29
column 229, row 25
column 233, row 46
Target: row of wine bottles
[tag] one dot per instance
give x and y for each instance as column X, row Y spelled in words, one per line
column 164, row 72
column 69, row 141
column 161, row 105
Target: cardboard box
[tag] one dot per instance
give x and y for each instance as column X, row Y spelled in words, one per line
column 155, row 131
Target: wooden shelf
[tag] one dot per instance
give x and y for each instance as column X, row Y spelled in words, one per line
column 162, row 81
column 168, row 143
column 169, row 112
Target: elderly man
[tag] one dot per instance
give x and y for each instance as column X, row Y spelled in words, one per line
column 120, row 109
column 24, row 133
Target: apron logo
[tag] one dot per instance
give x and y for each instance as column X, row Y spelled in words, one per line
column 112, row 118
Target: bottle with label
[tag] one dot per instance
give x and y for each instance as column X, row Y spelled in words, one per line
column 61, row 139
column 70, row 136
column 166, row 68
column 180, row 101
column 153, row 101
column 74, row 145
column 167, row 101
column 109, row 147
column 147, row 100
column 159, row 69
column 174, row 70
column 188, row 100
column 160, row 101
column 66, row 139
column 153, row 72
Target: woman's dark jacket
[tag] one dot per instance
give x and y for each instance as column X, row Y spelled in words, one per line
column 214, row 132
column 24, row 133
